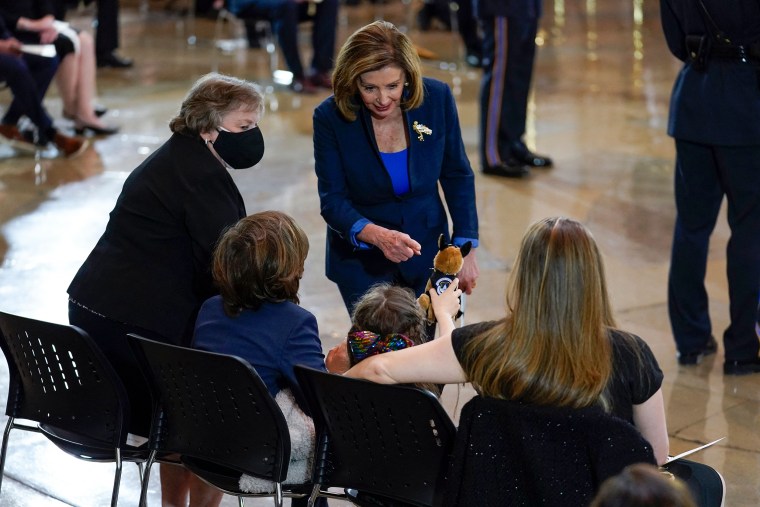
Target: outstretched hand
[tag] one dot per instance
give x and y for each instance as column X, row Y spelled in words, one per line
column 395, row 245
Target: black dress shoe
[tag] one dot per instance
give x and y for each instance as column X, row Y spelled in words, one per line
column 742, row 367
column 80, row 129
column 115, row 61
column 98, row 111
column 532, row 159
column 509, row 169
column 695, row 357
column 522, row 154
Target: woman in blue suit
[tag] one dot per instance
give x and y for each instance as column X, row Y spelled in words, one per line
column 382, row 143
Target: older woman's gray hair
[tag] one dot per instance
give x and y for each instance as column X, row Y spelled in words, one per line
column 211, row 98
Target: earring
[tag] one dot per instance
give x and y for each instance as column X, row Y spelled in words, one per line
column 406, row 84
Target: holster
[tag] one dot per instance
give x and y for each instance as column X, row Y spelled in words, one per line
column 698, row 51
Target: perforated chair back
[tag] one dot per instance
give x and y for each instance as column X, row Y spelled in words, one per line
column 213, row 407
column 60, row 379
column 515, row 454
column 386, row 440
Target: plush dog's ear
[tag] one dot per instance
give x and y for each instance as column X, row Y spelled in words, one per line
column 465, row 249
column 441, row 242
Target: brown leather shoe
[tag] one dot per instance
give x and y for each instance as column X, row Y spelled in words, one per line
column 70, row 146
column 12, row 136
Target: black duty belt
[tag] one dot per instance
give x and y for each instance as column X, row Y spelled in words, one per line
column 735, row 52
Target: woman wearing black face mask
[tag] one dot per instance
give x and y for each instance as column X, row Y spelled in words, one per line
column 151, row 269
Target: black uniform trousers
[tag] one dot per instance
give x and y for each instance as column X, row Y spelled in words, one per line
column 509, row 49
column 107, row 34
column 704, row 174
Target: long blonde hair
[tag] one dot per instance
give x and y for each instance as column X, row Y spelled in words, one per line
column 552, row 348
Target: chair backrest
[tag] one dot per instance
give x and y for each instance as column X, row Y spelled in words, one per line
column 705, row 483
column 388, row 440
column 512, row 453
column 213, row 407
column 59, row 376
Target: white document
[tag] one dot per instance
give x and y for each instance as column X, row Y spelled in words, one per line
column 46, row 50
column 684, row 454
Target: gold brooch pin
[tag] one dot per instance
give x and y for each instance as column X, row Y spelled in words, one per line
column 421, row 129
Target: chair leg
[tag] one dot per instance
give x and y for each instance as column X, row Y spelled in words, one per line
column 146, row 478
column 141, row 471
column 116, row 480
column 278, row 494
column 6, row 434
column 314, row 495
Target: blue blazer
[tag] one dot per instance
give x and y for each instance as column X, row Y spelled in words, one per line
column 720, row 106
column 354, row 184
column 273, row 339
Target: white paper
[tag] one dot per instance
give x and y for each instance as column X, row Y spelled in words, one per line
column 46, row 50
column 135, row 440
column 684, row 454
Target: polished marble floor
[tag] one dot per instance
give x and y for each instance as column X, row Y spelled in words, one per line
column 602, row 82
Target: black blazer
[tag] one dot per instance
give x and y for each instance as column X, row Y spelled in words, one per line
column 151, row 266
column 353, row 184
column 720, row 106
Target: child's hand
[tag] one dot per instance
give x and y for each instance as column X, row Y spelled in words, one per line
column 447, row 304
column 337, row 360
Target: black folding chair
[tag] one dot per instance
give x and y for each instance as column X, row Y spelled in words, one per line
column 509, row 453
column 60, row 380
column 705, row 483
column 386, row 445
column 217, row 414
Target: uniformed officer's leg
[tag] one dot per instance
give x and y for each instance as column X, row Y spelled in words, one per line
column 492, row 88
column 740, row 173
column 521, row 54
column 698, row 195
column 494, row 148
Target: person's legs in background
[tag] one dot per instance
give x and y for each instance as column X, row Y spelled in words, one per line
column 698, row 195
column 284, row 16
column 325, row 21
column 107, row 35
column 494, row 106
column 739, row 168
column 29, row 78
column 76, row 82
column 468, row 30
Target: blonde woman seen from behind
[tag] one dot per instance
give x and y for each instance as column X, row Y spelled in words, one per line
column 557, row 345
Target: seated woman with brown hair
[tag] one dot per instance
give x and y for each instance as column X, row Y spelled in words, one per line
column 557, row 346
column 257, row 267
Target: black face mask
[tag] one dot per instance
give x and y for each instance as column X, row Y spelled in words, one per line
column 240, row 150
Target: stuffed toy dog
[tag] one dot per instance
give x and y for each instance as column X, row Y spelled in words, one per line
column 447, row 264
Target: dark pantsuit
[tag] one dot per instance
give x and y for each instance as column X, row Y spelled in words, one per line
column 28, row 78
column 704, row 174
